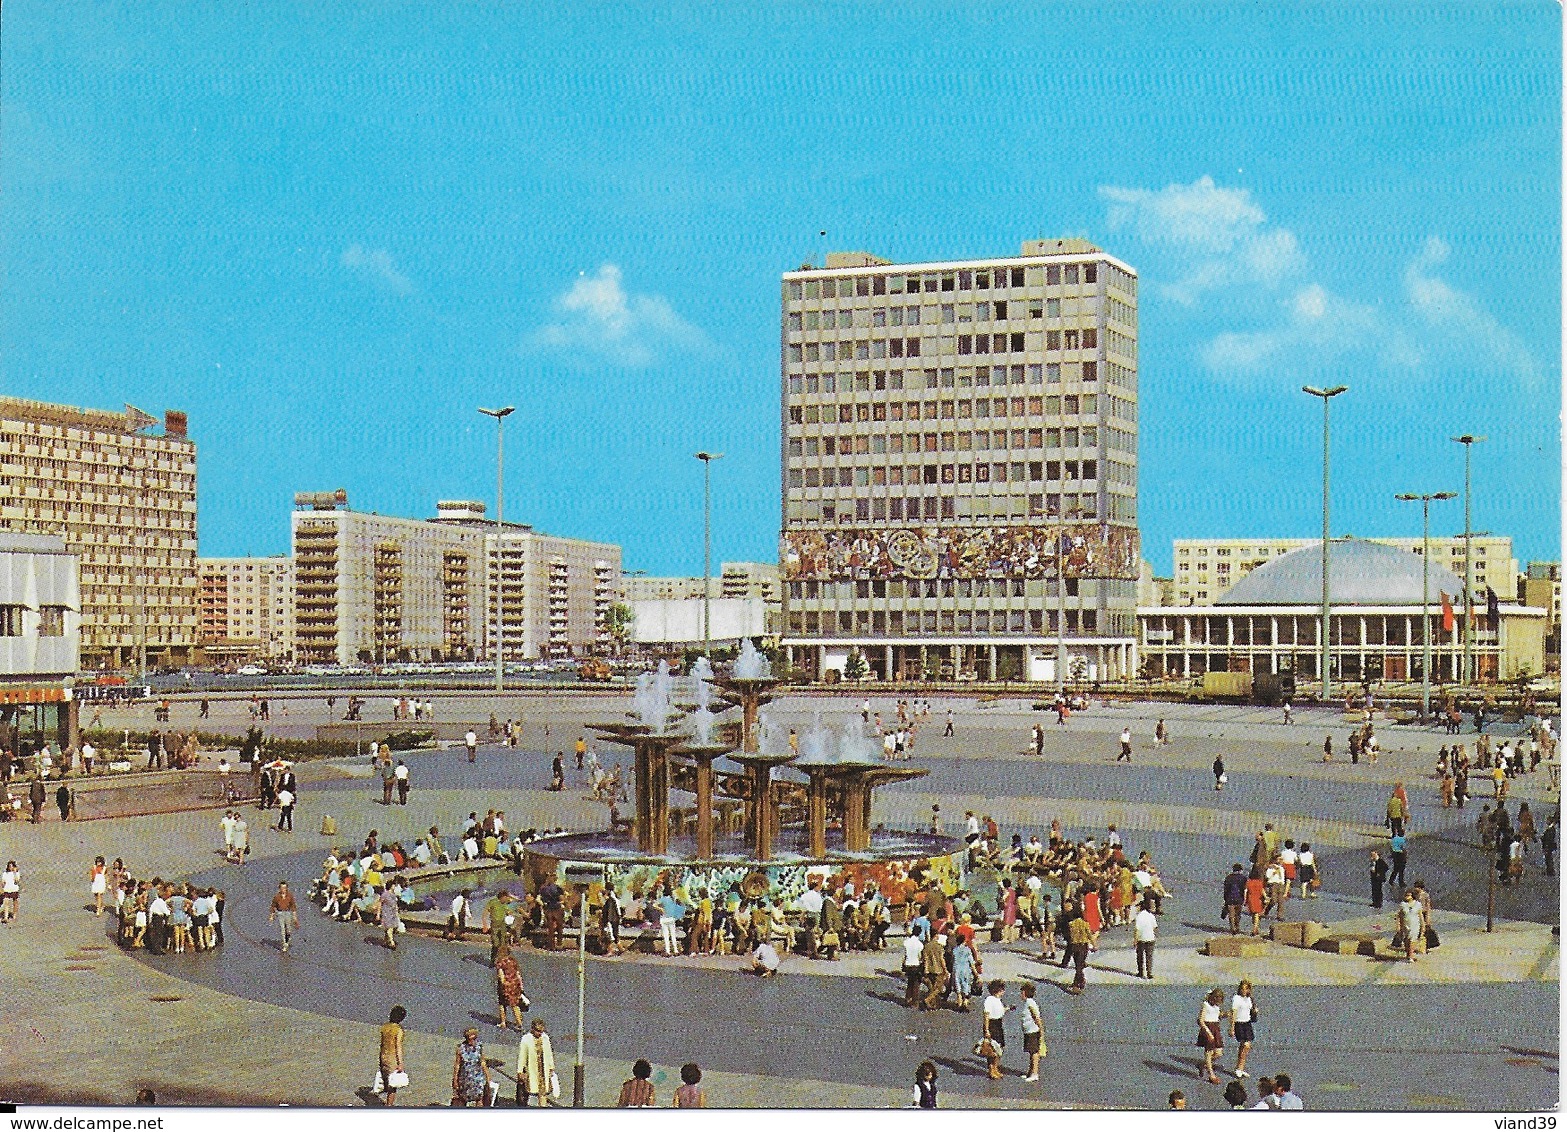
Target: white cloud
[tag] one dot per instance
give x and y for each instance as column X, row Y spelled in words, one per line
column 1219, row 237
column 1312, row 321
column 1459, row 322
column 597, row 319
column 1217, row 245
column 375, row 265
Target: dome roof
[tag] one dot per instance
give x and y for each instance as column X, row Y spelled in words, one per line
column 1360, row 573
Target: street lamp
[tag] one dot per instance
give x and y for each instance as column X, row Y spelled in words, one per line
column 1327, row 396
column 500, row 416
column 1425, row 591
column 1060, row 612
column 707, row 459
column 1468, row 440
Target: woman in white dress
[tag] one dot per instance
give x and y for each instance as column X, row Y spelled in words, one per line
column 99, row 876
column 1243, row 1013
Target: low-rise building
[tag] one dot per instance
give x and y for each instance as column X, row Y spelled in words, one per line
column 735, row 580
column 1541, row 587
column 1270, row 622
column 1206, row 568
column 40, row 641
column 678, row 623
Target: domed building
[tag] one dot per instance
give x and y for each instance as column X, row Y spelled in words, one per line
column 1269, row 620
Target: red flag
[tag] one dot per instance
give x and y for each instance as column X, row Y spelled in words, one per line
column 1447, row 614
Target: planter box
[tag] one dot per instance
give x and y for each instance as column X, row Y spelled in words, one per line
column 1300, row 933
column 1237, row 946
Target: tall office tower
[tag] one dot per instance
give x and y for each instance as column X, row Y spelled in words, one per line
column 124, row 499
column 960, row 465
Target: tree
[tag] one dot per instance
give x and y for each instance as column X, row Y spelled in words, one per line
column 854, row 667
column 1079, row 669
column 618, row 622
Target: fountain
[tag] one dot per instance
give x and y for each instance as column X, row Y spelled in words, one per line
column 677, row 738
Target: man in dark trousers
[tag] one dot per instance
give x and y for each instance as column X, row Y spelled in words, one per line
column 552, row 898
column 62, row 799
column 1548, row 841
column 1378, row 878
column 1079, row 936
column 35, row 798
column 1399, row 847
column 155, row 751
column 1235, row 897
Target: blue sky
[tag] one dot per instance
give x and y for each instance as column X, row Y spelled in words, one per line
column 329, row 232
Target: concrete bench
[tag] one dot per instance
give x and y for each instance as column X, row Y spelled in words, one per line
column 1237, row 946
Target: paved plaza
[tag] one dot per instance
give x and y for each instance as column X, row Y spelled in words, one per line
column 1474, row 1025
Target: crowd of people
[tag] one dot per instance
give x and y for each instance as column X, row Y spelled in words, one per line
column 536, row 1077
column 160, row 916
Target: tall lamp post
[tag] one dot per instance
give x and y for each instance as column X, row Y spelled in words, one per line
column 500, row 416
column 707, row 459
column 1061, row 612
column 1425, row 590
column 1468, row 440
column 1327, row 396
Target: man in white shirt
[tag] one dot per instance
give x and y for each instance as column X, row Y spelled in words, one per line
column 913, row 968
column 1126, row 746
column 764, row 960
column 89, row 753
column 457, row 922
column 471, row 741
column 1145, row 931
column 228, row 834
column 1284, row 1091
column 995, row 1010
column 1290, row 860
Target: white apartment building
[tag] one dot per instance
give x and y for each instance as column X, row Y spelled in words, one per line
column 40, row 639
column 123, row 498
column 959, row 445
column 1205, row 569
column 376, row 589
column 247, row 609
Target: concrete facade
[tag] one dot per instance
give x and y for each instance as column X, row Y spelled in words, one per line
column 124, row 500
column 679, row 622
column 247, row 609
column 935, row 545
column 375, row 588
column 1206, row 568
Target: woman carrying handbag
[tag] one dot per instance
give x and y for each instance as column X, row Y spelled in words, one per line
column 470, row 1072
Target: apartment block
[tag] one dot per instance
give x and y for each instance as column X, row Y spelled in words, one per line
column 959, row 444
column 121, row 493
column 373, row 588
column 1206, row 568
column 247, row 609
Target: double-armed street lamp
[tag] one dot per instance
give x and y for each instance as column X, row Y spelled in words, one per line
column 1468, row 440
column 500, row 416
column 707, row 459
column 1327, row 396
column 1425, row 590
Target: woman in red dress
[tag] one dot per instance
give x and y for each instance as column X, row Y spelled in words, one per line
column 1091, row 911
column 1256, row 894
